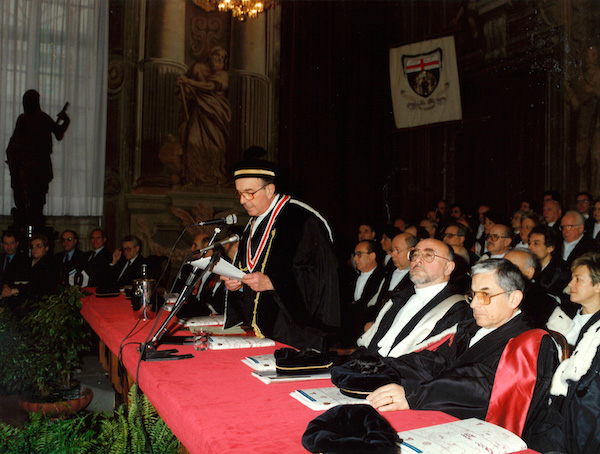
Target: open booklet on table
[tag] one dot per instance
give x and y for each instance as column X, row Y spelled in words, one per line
column 468, row 436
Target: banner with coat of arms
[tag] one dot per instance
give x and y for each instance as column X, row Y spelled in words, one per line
column 424, row 83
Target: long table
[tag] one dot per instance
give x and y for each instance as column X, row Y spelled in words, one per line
column 211, row 402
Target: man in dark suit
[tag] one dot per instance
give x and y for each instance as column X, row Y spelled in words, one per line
column 70, row 259
column 98, row 260
column 13, row 264
column 554, row 274
column 583, row 204
column 399, row 279
column 552, row 212
column 420, row 311
column 575, row 242
column 594, row 231
column 361, row 292
column 387, row 236
column 127, row 262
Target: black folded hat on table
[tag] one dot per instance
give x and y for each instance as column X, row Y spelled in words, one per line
column 353, row 429
column 362, row 375
column 299, row 362
column 107, row 291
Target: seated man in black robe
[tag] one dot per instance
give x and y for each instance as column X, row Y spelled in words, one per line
column 458, row 376
column 422, row 310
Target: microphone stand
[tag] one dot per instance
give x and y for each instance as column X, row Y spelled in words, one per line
column 148, row 351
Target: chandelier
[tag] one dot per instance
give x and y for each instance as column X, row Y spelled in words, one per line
column 240, row 9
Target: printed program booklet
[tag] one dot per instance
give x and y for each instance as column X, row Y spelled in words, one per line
column 260, row 362
column 469, row 436
column 324, row 398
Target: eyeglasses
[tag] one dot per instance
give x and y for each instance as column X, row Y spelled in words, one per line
column 36, row 246
column 359, row 254
column 246, row 194
column 451, row 235
column 67, row 239
column 428, row 255
column 395, row 250
column 483, row 297
column 494, row 237
column 583, row 201
column 568, row 227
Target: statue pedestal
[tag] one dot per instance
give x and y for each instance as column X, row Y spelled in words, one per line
column 159, row 217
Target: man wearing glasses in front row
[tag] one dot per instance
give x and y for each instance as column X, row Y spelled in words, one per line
column 290, row 293
column 458, row 376
column 421, row 310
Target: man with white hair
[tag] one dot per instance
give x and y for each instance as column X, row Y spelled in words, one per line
column 575, row 242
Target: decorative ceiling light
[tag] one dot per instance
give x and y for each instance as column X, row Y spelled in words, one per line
column 241, row 9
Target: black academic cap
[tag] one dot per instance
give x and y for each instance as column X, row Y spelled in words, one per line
column 363, row 374
column 289, row 361
column 254, row 168
column 353, row 429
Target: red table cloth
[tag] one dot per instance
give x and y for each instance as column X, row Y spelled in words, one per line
column 211, row 402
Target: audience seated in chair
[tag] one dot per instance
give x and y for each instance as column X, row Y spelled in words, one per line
column 459, row 377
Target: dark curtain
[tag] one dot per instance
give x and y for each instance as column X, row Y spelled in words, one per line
column 338, row 142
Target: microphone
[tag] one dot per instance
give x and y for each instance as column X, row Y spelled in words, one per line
column 229, row 220
column 232, row 239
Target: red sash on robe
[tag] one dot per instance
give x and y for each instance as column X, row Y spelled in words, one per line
column 515, row 381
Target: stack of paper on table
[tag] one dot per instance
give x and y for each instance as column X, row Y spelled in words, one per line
column 212, row 324
column 226, row 342
column 260, row 362
column 271, row 376
column 324, row 398
column 469, row 436
column 208, row 320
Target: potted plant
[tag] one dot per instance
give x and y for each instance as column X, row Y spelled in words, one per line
column 41, row 343
column 98, row 433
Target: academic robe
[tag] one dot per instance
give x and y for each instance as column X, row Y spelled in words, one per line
column 458, row 312
column 537, row 305
column 555, row 277
column 572, row 423
column 303, row 310
column 385, row 295
column 458, row 380
column 586, row 244
column 356, row 313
